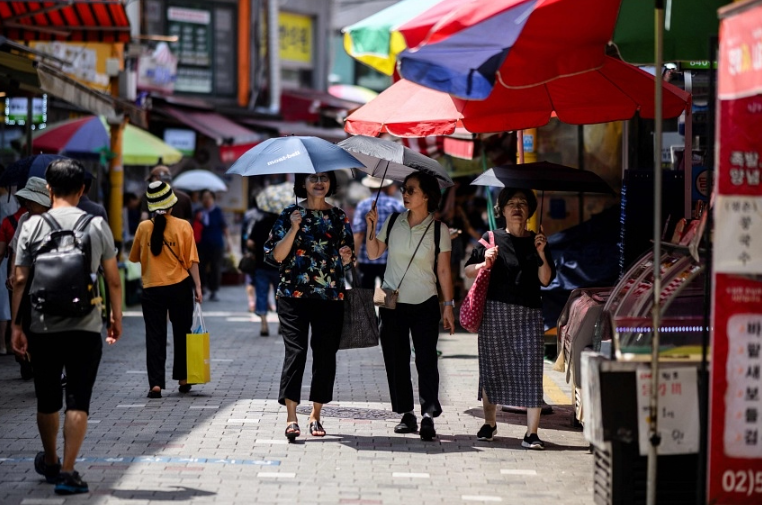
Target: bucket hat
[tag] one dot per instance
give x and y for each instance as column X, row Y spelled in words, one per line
column 160, row 196
column 36, row 190
column 376, row 182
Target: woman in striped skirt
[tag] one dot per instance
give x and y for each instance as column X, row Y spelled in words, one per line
column 511, row 335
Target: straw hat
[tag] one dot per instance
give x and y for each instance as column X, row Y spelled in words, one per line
column 160, row 196
column 376, row 182
column 36, row 190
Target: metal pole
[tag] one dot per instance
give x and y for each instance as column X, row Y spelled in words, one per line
column 656, row 311
column 116, row 173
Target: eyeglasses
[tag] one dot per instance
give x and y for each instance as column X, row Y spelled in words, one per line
column 318, row 178
column 408, row 190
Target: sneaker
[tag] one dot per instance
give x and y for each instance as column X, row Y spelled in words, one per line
column 71, row 483
column 408, row 424
column 427, row 432
column 486, row 433
column 213, row 297
column 533, row 442
column 50, row 472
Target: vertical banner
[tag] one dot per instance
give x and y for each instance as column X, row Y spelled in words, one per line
column 735, row 418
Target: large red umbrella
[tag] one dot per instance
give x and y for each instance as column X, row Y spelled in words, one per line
column 614, row 92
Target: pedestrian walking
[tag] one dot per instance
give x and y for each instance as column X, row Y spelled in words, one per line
column 64, row 342
column 370, row 270
column 511, row 334
column 411, row 239
column 184, row 206
column 214, row 240
column 167, row 253
column 265, row 276
column 313, row 245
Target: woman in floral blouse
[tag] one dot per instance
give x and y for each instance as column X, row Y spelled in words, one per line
column 313, row 244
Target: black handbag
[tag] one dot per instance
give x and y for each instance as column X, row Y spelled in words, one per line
column 360, row 328
column 248, row 264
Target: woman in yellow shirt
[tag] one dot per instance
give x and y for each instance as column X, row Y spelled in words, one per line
column 167, row 253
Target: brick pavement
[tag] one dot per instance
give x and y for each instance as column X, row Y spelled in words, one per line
column 224, row 443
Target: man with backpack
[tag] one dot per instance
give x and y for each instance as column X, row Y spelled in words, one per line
column 56, row 317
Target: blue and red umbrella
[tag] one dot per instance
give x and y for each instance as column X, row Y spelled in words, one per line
column 83, row 137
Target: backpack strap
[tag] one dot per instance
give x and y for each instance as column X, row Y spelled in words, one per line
column 392, row 219
column 51, row 221
column 82, row 222
column 437, row 237
column 14, row 222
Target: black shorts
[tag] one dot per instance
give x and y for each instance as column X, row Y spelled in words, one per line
column 79, row 352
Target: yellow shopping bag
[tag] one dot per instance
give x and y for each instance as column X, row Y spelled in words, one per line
column 197, row 350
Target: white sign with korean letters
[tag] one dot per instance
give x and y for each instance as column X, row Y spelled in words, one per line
column 738, row 235
column 743, row 399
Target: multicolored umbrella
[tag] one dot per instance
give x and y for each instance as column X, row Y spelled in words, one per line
column 517, row 43
column 614, row 92
column 88, row 137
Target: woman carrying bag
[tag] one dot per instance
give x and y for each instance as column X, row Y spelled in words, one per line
column 166, row 250
column 312, row 243
column 511, row 333
column 411, row 274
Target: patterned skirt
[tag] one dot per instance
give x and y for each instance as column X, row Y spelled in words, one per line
column 511, row 350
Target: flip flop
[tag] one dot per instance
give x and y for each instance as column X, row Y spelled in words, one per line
column 292, row 432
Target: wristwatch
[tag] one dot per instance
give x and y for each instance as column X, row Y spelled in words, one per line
column 451, row 303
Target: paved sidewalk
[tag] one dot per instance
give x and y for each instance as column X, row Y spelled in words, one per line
column 224, row 442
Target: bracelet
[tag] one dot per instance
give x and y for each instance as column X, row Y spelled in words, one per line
column 451, row 303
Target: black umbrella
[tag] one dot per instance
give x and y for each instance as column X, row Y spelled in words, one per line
column 544, row 176
column 17, row 173
column 389, row 160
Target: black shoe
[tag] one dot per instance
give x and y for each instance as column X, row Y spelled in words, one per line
column 427, row 432
column 533, row 442
column 184, row 388
column 264, row 333
column 154, row 394
column 213, row 297
column 71, row 483
column 408, row 424
column 486, row 433
column 50, row 472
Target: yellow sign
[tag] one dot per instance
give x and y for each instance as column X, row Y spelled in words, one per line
column 86, row 61
column 295, row 35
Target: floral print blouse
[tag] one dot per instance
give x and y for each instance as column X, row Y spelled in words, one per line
column 313, row 268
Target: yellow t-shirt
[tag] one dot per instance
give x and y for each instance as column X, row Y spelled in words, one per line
column 165, row 269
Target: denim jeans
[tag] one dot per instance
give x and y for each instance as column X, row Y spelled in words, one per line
column 263, row 279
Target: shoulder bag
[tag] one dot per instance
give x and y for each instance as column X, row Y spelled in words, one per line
column 472, row 308
column 387, row 297
column 360, row 328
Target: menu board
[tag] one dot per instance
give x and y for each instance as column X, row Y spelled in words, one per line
column 193, row 48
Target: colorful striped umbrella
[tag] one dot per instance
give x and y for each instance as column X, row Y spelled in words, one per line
column 88, row 137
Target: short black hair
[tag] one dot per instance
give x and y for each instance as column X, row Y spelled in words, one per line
column 430, row 188
column 65, row 177
column 300, row 180
column 508, row 193
column 214, row 197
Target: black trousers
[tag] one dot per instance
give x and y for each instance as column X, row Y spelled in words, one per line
column 422, row 321
column 177, row 299
column 369, row 272
column 325, row 318
column 79, row 352
column 210, row 266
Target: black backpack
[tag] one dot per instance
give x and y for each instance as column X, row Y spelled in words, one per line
column 62, row 282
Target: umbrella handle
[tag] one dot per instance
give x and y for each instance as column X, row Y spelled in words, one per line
column 375, row 202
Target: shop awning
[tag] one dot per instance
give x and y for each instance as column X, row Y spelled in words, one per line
column 285, row 128
column 23, row 75
column 232, row 138
column 309, row 104
column 65, row 20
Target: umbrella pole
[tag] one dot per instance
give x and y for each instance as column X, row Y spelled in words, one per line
column 378, row 194
column 656, row 311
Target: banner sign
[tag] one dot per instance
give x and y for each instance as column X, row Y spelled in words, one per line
column 735, row 417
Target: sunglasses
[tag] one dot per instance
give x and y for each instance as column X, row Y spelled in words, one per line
column 318, row 178
column 408, row 190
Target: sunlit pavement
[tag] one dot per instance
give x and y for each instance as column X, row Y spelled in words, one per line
column 224, row 442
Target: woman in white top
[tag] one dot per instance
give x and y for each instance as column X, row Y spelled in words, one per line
column 417, row 310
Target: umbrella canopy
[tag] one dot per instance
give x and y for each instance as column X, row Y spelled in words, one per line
column 293, row 155
column 375, row 40
column 352, row 93
column 614, row 92
column 199, row 180
column 17, row 173
column 465, row 48
column 88, row 137
column 686, row 36
column 390, row 160
column 544, row 176
column 275, row 198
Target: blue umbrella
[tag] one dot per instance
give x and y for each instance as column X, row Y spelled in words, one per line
column 17, row 173
column 293, row 155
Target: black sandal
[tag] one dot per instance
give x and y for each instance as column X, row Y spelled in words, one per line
column 184, row 388
column 154, row 394
column 316, row 426
column 294, row 433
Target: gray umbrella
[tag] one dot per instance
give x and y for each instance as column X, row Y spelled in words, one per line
column 388, row 160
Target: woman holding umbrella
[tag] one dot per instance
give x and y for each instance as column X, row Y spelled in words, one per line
column 414, row 269
column 313, row 245
column 511, row 334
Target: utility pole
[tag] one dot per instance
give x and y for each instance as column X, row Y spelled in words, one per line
column 116, row 170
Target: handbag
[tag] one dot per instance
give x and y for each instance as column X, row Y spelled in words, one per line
column 386, row 297
column 197, row 350
column 360, row 328
column 248, row 264
column 472, row 308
